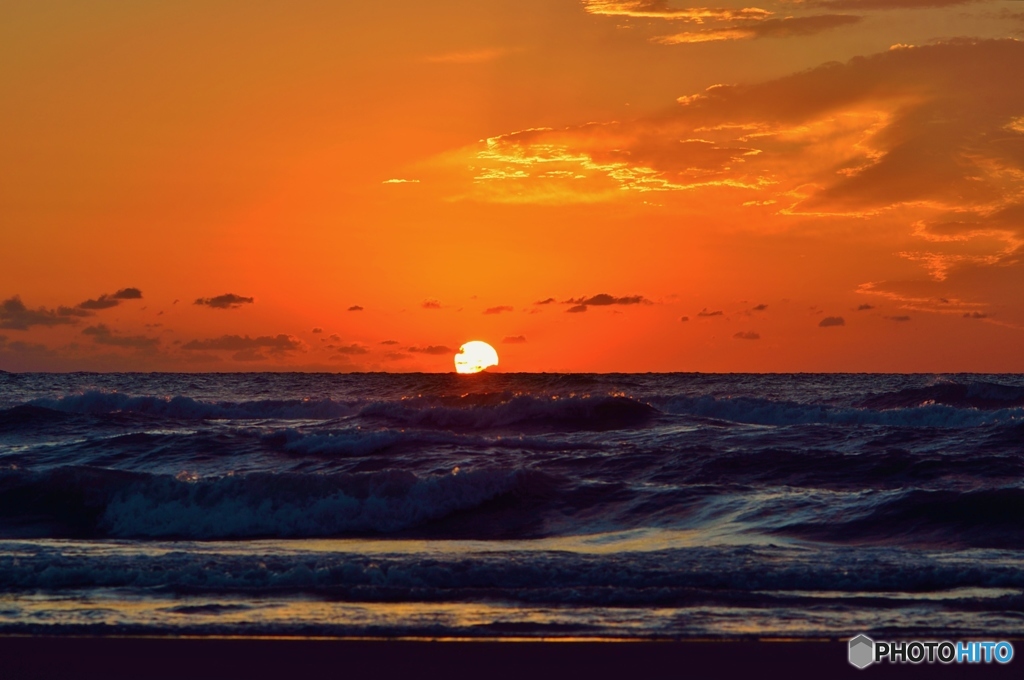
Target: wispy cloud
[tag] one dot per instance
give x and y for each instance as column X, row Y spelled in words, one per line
column 499, row 310
column 432, row 349
column 272, row 343
column 786, row 27
column 102, row 335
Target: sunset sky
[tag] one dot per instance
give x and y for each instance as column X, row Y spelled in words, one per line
column 825, row 185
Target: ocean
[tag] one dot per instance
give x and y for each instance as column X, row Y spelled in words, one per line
column 641, row 506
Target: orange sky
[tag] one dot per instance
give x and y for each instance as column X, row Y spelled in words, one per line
column 826, row 185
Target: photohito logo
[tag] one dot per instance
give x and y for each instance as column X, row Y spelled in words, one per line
column 863, row 651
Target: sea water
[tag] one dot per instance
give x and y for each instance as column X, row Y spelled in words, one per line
column 512, row 505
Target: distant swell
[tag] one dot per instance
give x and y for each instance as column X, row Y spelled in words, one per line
column 582, row 413
column 767, row 412
column 474, row 412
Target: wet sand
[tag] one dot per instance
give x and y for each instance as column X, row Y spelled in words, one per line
column 156, row 658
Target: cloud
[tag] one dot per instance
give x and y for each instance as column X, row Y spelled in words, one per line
column 389, row 342
column 889, row 4
column 107, row 301
column 513, row 339
column 898, row 318
column 748, row 335
column 499, row 310
column 102, row 335
column 249, row 354
column 431, row 304
column 603, row 299
column 684, row 318
column 334, row 336
column 400, row 181
column 226, row 301
column 864, row 307
column 432, row 349
column 318, row 330
column 660, row 9
column 353, row 349
column 546, row 301
column 705, row 313
column 760, row 307
column 580, row 304
column 276, row 344
column 355, row 308
column 15, row 315
column 832, row 321
column 975, row 315
column 786, row 27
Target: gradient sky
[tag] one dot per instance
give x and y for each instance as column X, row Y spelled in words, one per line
column 826, row 185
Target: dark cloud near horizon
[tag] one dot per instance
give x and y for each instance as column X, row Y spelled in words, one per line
column 276, row 344
column 513, row 339
column 14, row 315
column 107, row 301
column 355, row 308
column 225, row 301
column 353, row 349
column 684, row 318
column 318, row 330
column 432, row 349
column 547, row 301
column 864, row 307
column 577, row 309
column 499, row 309
column 761, row 307
column 389, row 342
column 431, row 304
column 102, row 335
column 829, row 321
column 747, row 335
column 604, row 299
column 898, row 318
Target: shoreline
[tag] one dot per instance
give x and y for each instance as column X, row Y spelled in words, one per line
column 156, row 657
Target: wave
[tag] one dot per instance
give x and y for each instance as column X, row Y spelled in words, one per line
column 573, row 413
column 365, row 442
column 757, row 411
column 972, row 395
column 680, row 576
column 90, row 502
column 186, row 408
column 984, row 518
column 470, row 412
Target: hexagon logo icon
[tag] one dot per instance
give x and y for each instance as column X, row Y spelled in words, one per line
column 862, row 651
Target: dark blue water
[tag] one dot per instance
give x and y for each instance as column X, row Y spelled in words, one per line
column 512, row 505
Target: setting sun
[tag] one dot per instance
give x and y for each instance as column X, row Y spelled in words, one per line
column 475, row 356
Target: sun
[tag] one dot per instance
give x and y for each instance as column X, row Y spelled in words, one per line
column 474, row 357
